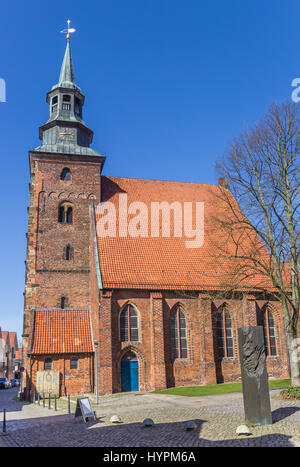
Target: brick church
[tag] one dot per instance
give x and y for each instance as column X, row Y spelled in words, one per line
column 128, row 313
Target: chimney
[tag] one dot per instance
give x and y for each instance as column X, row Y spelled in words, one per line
column 223, row 183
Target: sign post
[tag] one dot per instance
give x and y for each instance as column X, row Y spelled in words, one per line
column 84, row 409
column 96, row 370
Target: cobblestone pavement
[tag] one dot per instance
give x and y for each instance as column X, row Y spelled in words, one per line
column 217, row 418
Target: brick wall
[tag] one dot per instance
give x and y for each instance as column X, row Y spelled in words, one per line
column 153, row 350
column 72, row 381
column 106, row 361
column 55, row 275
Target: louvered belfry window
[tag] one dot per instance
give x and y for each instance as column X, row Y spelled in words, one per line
column 129, row 331
column 178, row 334
column 224, row 334
column 269, row 333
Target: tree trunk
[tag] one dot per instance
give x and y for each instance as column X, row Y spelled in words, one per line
column 293, row 345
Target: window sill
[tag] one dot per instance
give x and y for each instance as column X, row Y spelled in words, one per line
column 131, row 342
column 227, row 359
column 182, row 361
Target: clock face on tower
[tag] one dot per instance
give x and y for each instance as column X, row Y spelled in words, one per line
column 66, row 134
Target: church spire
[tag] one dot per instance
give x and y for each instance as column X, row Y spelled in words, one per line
column 65, row 131
column 66, row 77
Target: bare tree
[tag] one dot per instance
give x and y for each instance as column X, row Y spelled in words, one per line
column 260, row 221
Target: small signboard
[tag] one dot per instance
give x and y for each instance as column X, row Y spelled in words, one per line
column 84, row 409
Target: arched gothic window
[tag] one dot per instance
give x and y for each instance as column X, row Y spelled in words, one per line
column 269, row 332
column 129, row 331
column 65, row 174
column 224, row 334
column 65, row 213
column 178, row 334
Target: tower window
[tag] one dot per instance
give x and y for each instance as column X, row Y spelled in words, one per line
column 54, row 104
column 68, row 253
column 69, row 215
column 48, row 363
column 65, row 174
column 65, row 214
column 66, row 105
column 63, row 302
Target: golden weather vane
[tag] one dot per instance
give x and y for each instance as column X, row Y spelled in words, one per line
column 69, row 30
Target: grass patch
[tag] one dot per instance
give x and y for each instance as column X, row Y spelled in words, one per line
column 225, row 388
column 291, row 393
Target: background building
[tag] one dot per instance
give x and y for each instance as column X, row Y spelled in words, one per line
column 8, row 348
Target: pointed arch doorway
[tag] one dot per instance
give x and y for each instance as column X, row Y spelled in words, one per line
column 129, row 372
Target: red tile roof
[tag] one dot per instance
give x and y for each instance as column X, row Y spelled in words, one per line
column 62, row 331
column 164, row 263
column 4, row 336
column 18, row 354
column 9, row 337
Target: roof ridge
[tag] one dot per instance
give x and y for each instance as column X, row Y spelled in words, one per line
column 157, row 180
column 61, row 309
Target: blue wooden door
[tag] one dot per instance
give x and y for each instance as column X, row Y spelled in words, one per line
column 130, row 375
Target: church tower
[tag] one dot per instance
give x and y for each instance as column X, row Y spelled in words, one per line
column 65, row 178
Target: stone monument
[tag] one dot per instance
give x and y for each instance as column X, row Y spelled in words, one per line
column 48, row 383
column 254, row 376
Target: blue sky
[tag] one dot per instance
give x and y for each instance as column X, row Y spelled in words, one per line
column 168, row 84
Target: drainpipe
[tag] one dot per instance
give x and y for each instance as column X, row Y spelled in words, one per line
column 30, row 376
column 96, row 370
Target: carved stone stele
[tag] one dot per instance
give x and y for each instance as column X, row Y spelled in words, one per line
column 48, row 382
column 254, row 376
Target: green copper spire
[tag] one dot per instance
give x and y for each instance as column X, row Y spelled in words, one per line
column 67, row 71
column 66, row 77
column 65, row 131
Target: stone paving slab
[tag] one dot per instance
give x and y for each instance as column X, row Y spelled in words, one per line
column 217, row 418
column 2, row 443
